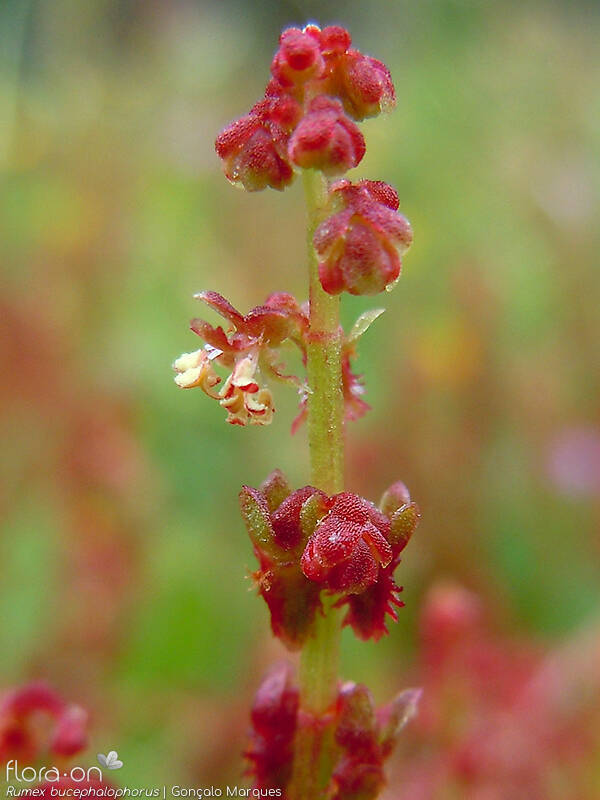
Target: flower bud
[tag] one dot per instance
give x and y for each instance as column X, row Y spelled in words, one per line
column 360, row 246
column 274, row 716
column 393, row 498
column 256, row 515
column 252, row 159
column 366, row 85
column 276, row 703
column 287, row 521
column 335, row 40
column 254, row 147
column 404, row 516
column 366, row 738
column 275, row 488
column 402, row 526
column 298, row 58
column 356, row 729
column 393, row 717
column 326, row 139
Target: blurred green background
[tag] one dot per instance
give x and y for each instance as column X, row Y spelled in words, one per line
column 123, row 562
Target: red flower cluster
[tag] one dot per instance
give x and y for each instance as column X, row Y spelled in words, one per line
column 319, row 82
column 364, row 736
column 20, row 735
column 361, row 244
column 312, row 62
column 248, row 349
column 306, row 542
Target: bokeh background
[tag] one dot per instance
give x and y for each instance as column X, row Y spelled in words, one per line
column 123, row 563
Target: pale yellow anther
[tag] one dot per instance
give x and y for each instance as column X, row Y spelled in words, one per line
column 195, row 369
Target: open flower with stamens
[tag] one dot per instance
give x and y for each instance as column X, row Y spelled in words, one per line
column 245, row 401
column 249, row 349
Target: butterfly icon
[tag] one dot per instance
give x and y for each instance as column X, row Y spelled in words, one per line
column 111, row 761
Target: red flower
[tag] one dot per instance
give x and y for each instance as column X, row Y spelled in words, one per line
column 348, row 546
column 364, row 736
column 361, row 244
column 365, row 85
column 326, row 139
column 18, row 732
column 254, row 148
column 321, row 62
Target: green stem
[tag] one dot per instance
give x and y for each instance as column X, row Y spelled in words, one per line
column 324, row 368
column 320, row 655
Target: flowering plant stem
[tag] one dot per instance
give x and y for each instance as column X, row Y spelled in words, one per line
column 324, row 367
column 326, row 557
column 320, row 655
